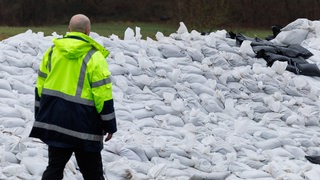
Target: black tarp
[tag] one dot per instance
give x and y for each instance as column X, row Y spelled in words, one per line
column 295, row 55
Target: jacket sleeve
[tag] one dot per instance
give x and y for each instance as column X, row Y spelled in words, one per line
column 102, row 93
column 42, row 75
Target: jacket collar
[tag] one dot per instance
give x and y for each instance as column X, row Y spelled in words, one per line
column 88, row 39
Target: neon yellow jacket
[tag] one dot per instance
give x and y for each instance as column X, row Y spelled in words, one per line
column 74, row 93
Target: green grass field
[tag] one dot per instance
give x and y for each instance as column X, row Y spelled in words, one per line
column 103, row 29
column 118, row 28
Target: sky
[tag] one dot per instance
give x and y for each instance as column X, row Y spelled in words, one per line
column 188, row 106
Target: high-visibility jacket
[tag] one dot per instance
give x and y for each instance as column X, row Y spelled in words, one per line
column 73, row 94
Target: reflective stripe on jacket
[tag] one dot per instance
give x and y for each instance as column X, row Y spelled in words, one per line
column 73, row 94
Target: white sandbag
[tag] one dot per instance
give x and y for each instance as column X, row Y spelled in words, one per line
column 125, row 115
column 14, row 58
column 119, row 58
column 183, row 160
column 223, row 46
column 153, row 51
column 5, row 46
column 145, row 122
column 178, row 105
column 139, row 151
column 138, row 35
column 15, row 147
column 253, row 174
column 161, row 73
column 144, row 62
column 5, row 85
column 195, row 54
column 169, row 120
column 268, row 144
column 190, row 69
column 300, row 82
column 7, row 156
column 208, row 51
column 160, row 91
column 316, row 29
column 150, row 152
column 208, row 176
column 169, row 50
column 165, row 66
column 211, row 103
column 203, row 165
column 35, row 165
column 12, row 70
column 291, row 175
column 161, row 82
column 168, row 97
column 109, row 156
column 119, row 169
column 313, row 173
column 177, row 173
column 20, row 86
column 174, row 121
column 157, row 170
column 279, row 66
column 129, row 46
column 295, row 120
column 26, row 47
column 8, row 111
column 296, row 152
column 246, row 49
column 308, row 110
column 133, row 70
column 200, row 88
column 121, row 82
column 128, row 34
column 128, row 153
column 143, row 113
column 130, row 60
column 300, row 23
column 175, row 61
column 121, row 150
column 142, row 80
column 182, row 28
column 162, row 109
column 10, row 122
column 295, row 36
column 14, row 170
column 277, row 152
column 192, row 78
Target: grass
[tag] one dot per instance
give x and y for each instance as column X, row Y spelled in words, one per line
column 8, row 31
column 147, row 29
column 251, row 32
column 103, row 29
column 118, row 28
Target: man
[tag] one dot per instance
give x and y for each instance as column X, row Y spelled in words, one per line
column 73, row 102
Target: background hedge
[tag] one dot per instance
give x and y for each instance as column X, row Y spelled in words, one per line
column 199, row 14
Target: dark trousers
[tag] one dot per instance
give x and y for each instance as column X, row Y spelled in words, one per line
column 90, row 163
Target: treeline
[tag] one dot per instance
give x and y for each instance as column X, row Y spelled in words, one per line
column 200, row 14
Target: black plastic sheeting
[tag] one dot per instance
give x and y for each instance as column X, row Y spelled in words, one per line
column 295, row 55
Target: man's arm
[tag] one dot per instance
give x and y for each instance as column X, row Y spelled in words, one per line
column 42, row 75
column 102, row 92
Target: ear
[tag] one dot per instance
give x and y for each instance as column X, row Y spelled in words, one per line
column 87, row 31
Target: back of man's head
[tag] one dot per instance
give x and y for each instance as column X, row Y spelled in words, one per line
column 79, row 23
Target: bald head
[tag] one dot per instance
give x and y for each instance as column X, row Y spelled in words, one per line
column 79, row 23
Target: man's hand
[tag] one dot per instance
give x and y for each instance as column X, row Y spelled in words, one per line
column 109, row 136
